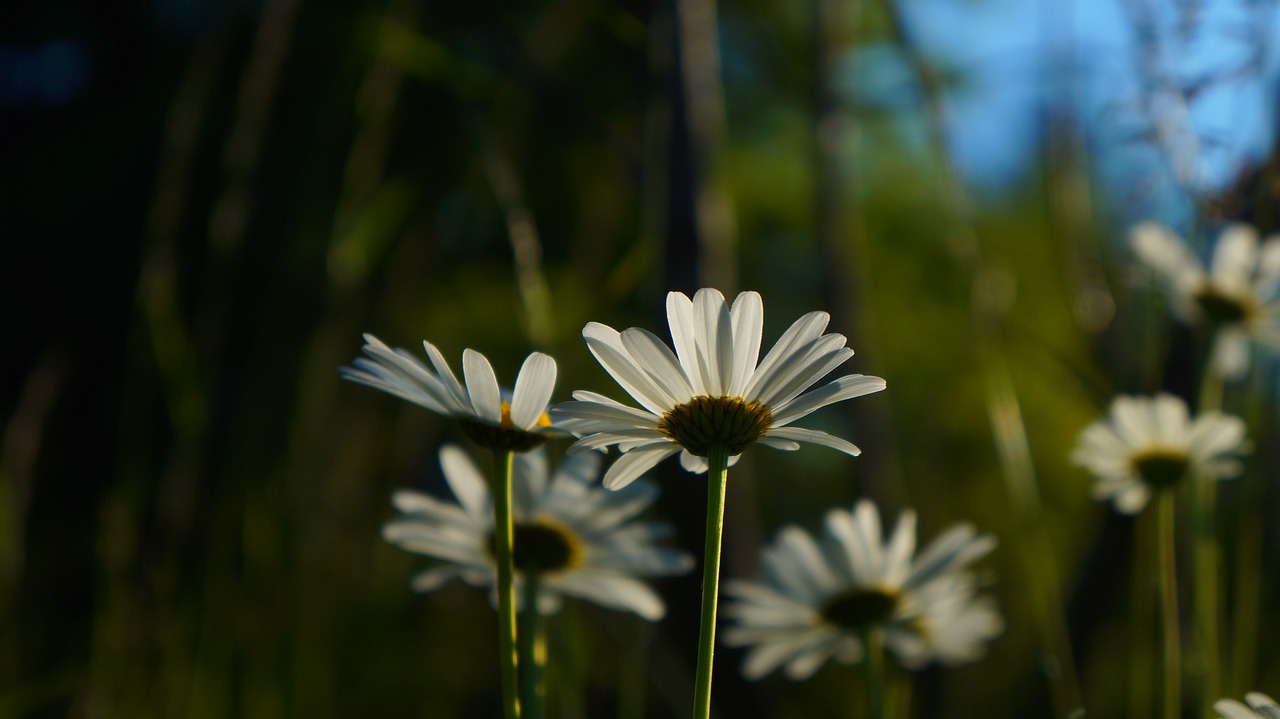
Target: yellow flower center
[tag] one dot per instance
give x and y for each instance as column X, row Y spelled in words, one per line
column 706, row 422
column 1160, row 467
column 861, row 609
column 542, row 546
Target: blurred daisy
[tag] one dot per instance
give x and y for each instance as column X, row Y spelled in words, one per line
column 819, row 599
column 1149, row 443
column 1260, row 706
column 517, row 422
column 1238, row 297
column 710, row 392
column 580, row 540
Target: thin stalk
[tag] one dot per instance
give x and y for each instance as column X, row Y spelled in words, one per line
column 1169, row 605
column 1141, row 621
column 1248, row 551
column 503, row 540
column 533, row 651
column 717, row 474
column 1208, row 561
column 873, row 671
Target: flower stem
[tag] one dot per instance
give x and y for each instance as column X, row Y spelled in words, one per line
column 1169, row 606
column 1207, row 561
column 504, row 539
column 873, row 671
column 717, row 474
column 533, row 651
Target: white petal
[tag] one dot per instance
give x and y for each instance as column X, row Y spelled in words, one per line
column 465, row 480
column 534, row 385
column 593, row 406
column 617, row 592
column 636, row 462
column 447, row 379
column 747, row 318
column 847, row 387
column 1231, row 709
column 606, row 345
column 658, row 361
column 800, row 434
column 713, row 340
column 482, row 386
column 435, row 577
column 801, row 332
column 529, row 472
column 1231, row 353
column 680, row 320
column 1235, row 257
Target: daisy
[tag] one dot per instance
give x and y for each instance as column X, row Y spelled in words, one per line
column 822, row 599
column 709, row 393
column 575, row 538
column 1150, row 443
column 1238, row 297
column 1260, row 706
column 488, row 416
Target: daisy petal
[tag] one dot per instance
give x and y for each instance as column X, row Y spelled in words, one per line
column 747, row 318
column 680, row 320
column 482, row 386
column 799, row 434
column 847, row 387
column 636, row 462
column 466, row 482
column 534, row 385
column 713, row 335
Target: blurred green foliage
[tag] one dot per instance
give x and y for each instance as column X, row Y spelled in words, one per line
column 192, row 498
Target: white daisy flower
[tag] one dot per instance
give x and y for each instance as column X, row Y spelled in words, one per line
column 1150, row 443
column 581, row 540
column 710, row 391
column 490, row 417
column 1260, row 706
column 818, row 599
column 1238, row 297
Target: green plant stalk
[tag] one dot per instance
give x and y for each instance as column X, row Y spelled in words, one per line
column 1208, row 562
column 1248, row 572
column 1141, row 620
column 533, row 651
column 503, row 540
column 717, row 476
column 1165, row 547
column 873, row 671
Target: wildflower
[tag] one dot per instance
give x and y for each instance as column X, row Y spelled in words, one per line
column 1260, row 706
column 578, row 539
column 819, row 600
column 515, row 423
column 1151, row 443
column 1238, row 298
column 710, row 393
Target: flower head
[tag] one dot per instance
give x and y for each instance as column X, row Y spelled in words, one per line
column 581, row 540
column 1238, row 297
column 1260, row 706
column 1151, row 443
column 819, row 598
column 710, row 392
column 491, row 419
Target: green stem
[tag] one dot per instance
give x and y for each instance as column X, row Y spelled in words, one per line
column 503, row 540
column 1169, row 605
column 1141, row 620
column 1208, row 561
column 533, row 651
column 717, row 474
column 873, row 671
